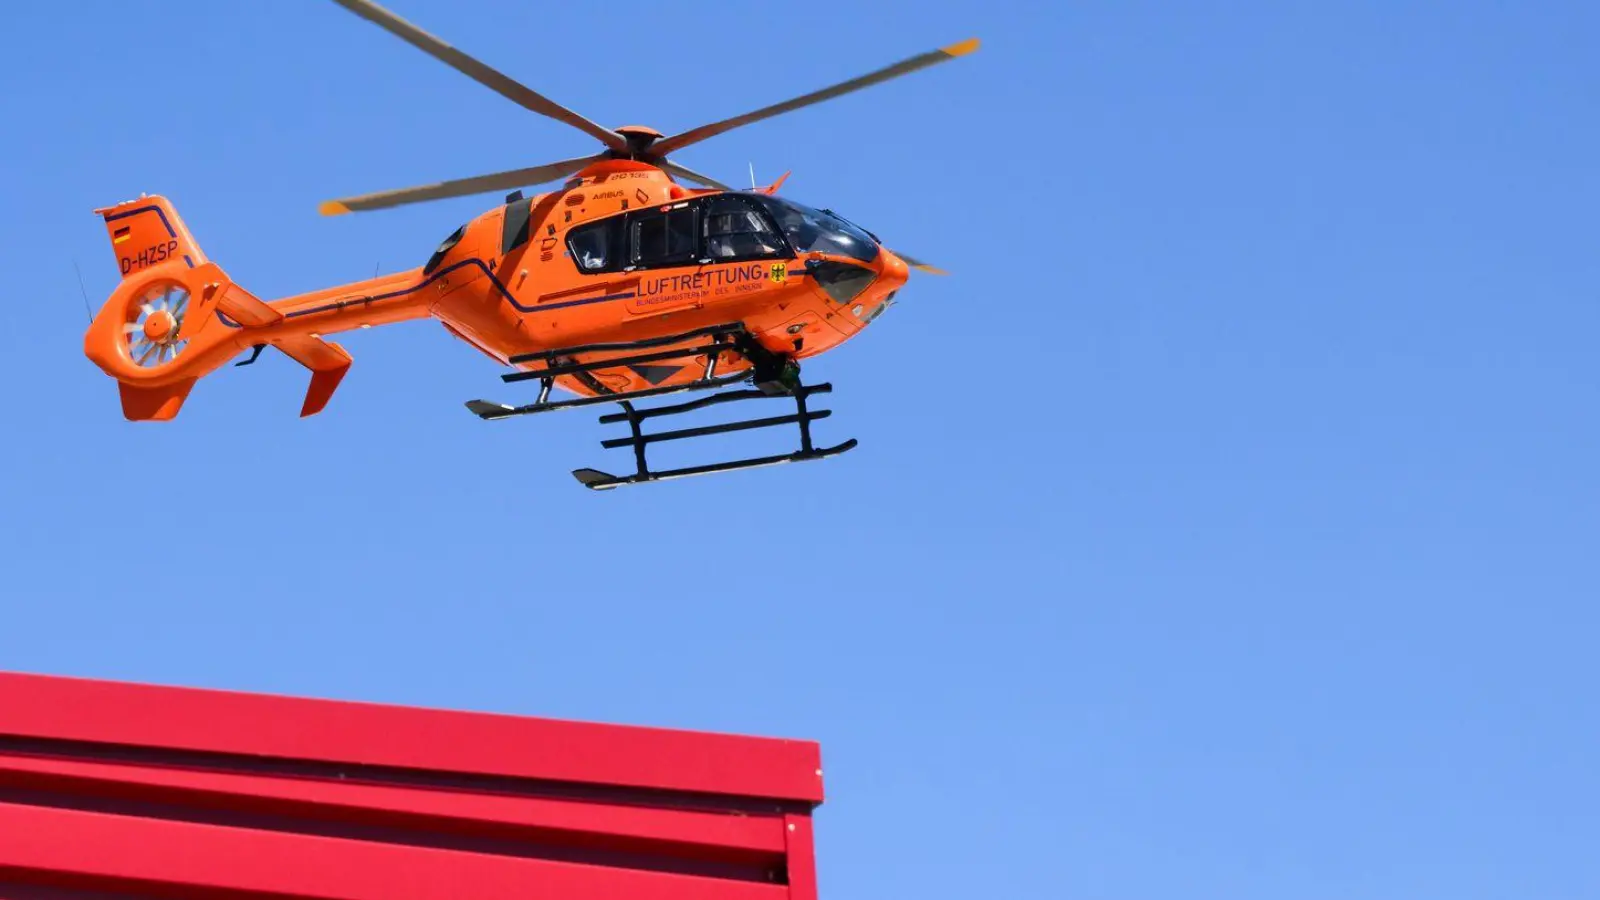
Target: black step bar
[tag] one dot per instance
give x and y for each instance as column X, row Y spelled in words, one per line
column 560, row 361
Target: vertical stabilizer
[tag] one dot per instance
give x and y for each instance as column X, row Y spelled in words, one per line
column 147, row 232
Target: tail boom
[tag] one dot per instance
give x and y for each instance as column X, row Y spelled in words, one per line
column 177, row 317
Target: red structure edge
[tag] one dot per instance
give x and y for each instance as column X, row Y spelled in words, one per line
column 114, row 790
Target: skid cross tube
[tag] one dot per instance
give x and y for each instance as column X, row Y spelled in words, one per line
column 704, row 430
column 639, row 440
column 690, row 406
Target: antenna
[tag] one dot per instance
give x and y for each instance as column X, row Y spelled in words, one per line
column 752, row 176
column 85, row 290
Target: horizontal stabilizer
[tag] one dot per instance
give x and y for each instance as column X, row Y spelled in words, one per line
column 328, row 364
column 246, row 308
column 239, row 305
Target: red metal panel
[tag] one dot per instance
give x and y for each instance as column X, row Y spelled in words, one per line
column 371, row 734
column 354, row 802
column 114, row 791
column 156, row 858
column 802, row 858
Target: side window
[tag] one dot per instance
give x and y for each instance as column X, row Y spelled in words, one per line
column 446, row 246
column 719, row 229
column 736, row 229
column 666, row 238
column 598, row 246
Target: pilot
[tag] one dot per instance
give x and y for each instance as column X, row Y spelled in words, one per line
column 592, row 249
column 738, row 232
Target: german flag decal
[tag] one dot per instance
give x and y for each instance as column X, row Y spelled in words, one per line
column 121, row 234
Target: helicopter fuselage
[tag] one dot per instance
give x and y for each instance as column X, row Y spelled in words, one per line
column 513, row 281
column 621, row 254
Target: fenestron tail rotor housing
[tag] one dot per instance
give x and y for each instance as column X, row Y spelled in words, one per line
column 152, row 335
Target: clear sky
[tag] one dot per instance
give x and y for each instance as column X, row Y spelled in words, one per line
column 1224, row 527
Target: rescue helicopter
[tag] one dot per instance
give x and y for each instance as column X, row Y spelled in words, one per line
column 635, row 279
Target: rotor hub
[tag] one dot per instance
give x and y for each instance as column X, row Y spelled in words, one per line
column 153, row 333
column 639, row 137
column 159, row 326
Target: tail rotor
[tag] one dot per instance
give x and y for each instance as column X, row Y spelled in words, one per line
column 153, row 334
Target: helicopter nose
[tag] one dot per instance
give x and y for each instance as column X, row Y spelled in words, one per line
column 892, row 270
column 878, row 296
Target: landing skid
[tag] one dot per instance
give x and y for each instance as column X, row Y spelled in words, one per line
column 773, row 376
column 639, row 441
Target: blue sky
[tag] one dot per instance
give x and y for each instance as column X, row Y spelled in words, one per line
column 1249, row 550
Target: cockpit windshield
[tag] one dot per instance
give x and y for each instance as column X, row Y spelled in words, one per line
column 819, row 230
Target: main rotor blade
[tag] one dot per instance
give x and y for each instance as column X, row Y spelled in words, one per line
column 692, row 175
column 918, row 264
column 904, row 67
column 481, row 184
column 483, row 74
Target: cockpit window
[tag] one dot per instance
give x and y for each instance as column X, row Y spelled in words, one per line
column 722, row 228
column 666, row 238
column 819, row 230
column 598, row 246
column 736, row 229
column 445, row 246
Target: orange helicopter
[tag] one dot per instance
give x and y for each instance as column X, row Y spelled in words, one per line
column 622, row 285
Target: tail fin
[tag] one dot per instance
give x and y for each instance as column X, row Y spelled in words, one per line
column 154, row 404
column 176, row 316
column 146, row 232
column 327, row 362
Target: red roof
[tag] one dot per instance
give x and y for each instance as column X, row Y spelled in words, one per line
column 175, row 792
